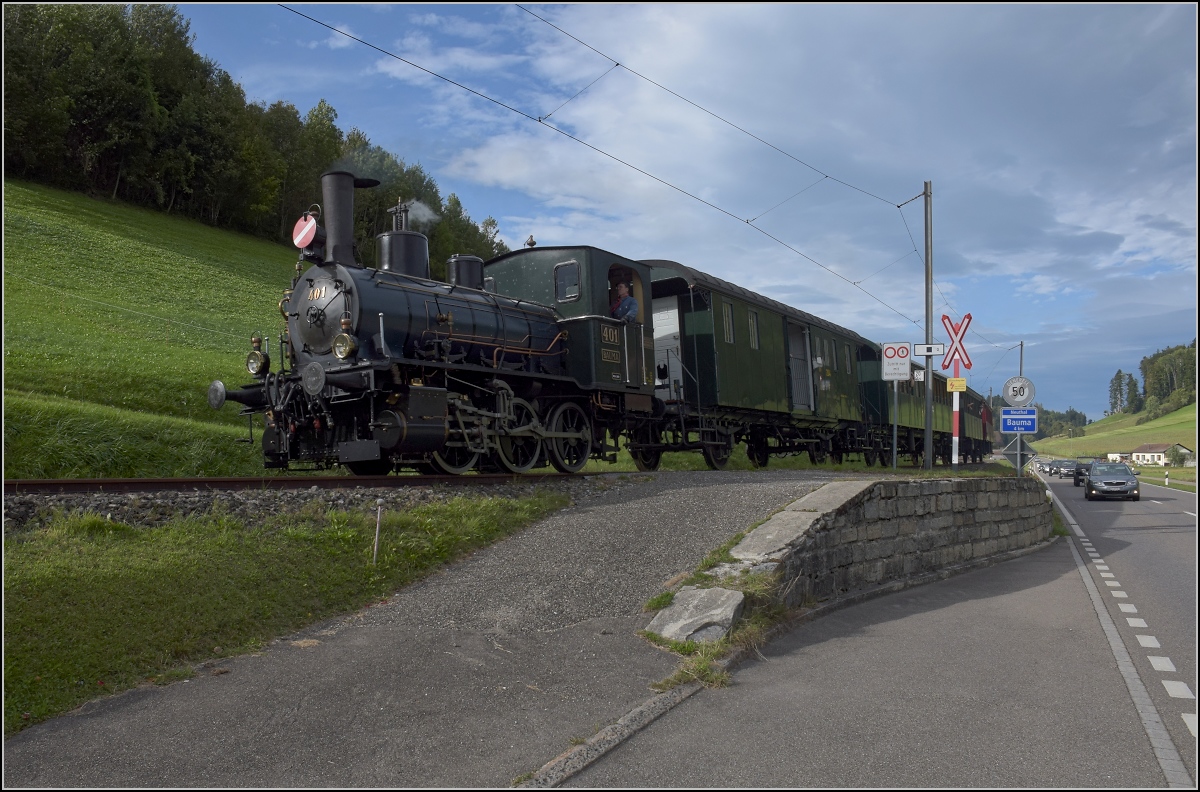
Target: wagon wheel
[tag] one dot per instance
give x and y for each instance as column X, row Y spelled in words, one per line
column 869, row 456
column 835, row 457
column 646, row 460
column 716, row 456
column 453, row 460
column 879, row 455
column 519, row 454
column 758, row 453
column 371, row 467
column 816, row 454
column 569, row 454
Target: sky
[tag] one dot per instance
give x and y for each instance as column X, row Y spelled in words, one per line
column 771, row 146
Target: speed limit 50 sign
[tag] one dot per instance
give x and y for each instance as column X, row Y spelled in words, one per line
column 1018, row 392
column 897, row 363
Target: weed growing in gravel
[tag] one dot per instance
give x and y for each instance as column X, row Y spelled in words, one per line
column 93, row 606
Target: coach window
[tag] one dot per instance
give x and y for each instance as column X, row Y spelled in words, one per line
column 727, row 313
column 754, row 329
column 566, row 281
column 833, row 354
column 848, row 366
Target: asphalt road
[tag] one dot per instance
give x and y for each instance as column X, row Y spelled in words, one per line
column 1004, row 676
column 1147, row 550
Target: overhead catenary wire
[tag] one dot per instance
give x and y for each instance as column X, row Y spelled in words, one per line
column 598, row 150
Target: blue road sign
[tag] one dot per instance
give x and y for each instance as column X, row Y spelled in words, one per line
column 1014, row 419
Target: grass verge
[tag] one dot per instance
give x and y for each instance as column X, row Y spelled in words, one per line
column 93, row 607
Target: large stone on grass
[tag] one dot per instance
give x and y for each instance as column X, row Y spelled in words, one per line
column 704, row 615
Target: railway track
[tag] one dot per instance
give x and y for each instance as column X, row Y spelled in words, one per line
column 82, row 485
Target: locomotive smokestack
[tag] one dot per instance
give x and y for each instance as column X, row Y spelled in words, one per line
column 337, row 188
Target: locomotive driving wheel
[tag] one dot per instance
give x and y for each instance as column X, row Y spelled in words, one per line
column 569, row 454
column 453, row 460
column 517, row 454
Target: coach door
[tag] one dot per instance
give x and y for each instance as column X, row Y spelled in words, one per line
column 800, row 374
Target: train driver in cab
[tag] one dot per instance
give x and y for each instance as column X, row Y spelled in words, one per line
column 625, row 307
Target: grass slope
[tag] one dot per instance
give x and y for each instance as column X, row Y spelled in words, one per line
column 107, row 305
column 1122, row 434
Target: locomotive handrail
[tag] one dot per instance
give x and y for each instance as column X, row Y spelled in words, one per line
column 608, row 319
column 528, row 350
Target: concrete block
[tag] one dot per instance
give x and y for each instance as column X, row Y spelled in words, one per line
column 775, row 537
column 699, row 614
column 830, row 497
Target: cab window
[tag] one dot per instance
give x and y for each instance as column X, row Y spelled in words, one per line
column 566, row 281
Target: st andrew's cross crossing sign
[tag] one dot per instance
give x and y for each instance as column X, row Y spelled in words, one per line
column 957, row 332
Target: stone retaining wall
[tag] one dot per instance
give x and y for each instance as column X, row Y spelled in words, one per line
column 856, row 534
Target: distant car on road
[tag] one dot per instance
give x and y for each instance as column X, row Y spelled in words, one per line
column 1111, row 480
column 1081, row 471
column 1062, row 468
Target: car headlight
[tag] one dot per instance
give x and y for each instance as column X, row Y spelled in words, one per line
column 258, row 363
column 344, row 346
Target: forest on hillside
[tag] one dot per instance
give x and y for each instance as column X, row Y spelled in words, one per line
column 1168, row 384
column 112, row 100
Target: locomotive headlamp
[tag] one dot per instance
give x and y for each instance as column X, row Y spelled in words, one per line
column 258, row 363
column 344, row 346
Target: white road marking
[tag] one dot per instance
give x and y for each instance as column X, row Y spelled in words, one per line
column 1113, row 583
column 1190, row 717
column 1102, row 567
column 1161, row 663
column 1127, row 608
column 1148, row 641
column 1189, row 514
column 1136, row 622
column 1165, row 752
column 1093, row 555
column 1106, row 574
column 1178, row 689
column 1120, row 594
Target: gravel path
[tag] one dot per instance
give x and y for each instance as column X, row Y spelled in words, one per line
column 469, row 678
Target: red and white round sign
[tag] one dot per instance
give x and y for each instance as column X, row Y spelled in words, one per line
column 305, row 231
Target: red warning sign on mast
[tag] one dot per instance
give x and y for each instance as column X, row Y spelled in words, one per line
column 305, row 231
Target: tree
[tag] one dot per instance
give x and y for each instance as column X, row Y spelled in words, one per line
column 1133, row 397
column 1176, row 456
column 1116, row 392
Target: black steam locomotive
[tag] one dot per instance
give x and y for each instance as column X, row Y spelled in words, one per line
column 517, row 363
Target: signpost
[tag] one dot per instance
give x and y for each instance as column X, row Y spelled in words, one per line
column 956, row 353
column 1015, row 451
column 1018, row 392
column 897, row 367
column 1018, row 420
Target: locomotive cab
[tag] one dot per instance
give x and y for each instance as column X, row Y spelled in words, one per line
column 603, row 353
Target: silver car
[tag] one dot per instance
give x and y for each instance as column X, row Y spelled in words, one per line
column 1111, row 480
